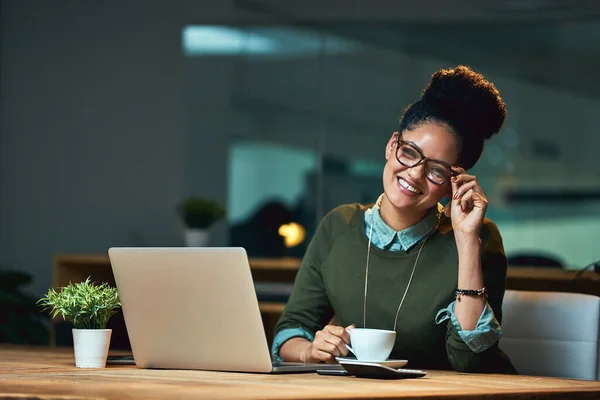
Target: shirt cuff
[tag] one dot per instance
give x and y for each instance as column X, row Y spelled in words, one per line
column 487, row 332
column 283, row 336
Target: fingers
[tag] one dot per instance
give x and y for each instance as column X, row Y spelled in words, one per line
column 330, row 343
column 455, row 186
column 448, row 209
column 317, row 356
column 462, row 176
column 466, row 201
column 338, row 337
column 459, row 170
column 339, row 331
column 472, row 199
column 323, row 352
column 462, row 185
column 463, row 179
column 472, row 185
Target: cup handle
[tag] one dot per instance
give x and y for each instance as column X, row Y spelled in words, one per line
column 350, row 348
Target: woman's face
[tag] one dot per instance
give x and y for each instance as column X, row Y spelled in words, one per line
column 408, row 189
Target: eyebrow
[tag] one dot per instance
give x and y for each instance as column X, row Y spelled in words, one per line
column 432, row 159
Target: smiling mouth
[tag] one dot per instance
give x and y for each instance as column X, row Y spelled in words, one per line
column 407, row 186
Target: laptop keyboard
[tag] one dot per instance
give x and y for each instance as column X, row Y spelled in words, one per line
column 312, row 365
column 287, row 364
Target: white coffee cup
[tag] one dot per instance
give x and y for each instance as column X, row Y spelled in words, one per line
column 371, row 344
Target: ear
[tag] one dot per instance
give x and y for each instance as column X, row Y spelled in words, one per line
column 391, row 145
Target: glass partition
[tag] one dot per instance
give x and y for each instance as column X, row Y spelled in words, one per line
column 313, row 107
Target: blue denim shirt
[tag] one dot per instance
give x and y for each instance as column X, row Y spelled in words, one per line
column 386, row 238
column 487, row 331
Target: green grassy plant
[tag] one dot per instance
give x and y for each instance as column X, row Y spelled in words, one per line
column 87, row 305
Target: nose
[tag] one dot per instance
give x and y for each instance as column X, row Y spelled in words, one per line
column 417, row 172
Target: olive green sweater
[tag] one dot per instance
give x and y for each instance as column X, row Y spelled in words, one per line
column 332, row 277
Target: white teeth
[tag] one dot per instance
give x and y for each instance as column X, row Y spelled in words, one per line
column 409, row 187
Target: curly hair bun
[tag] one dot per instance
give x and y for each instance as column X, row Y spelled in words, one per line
column 469, row 103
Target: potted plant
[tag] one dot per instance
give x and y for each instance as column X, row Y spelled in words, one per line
column 89, row 307
column 198, row 214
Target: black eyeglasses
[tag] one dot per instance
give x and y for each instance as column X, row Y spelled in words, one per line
column 436, row 171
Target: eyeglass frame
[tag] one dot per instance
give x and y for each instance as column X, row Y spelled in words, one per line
column 400, row 142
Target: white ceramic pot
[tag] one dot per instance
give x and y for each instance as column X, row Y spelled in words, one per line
column 91, row 347
column 196, row 237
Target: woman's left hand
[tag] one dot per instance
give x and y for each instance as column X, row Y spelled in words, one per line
column 468, row 205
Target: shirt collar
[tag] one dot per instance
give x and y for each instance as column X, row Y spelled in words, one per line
column 407, row 237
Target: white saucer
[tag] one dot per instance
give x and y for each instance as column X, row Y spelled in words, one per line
column 387, row 363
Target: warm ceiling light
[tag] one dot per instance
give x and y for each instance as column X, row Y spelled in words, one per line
column 292, row 233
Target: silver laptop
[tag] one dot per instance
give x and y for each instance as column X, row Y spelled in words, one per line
column 194, row 308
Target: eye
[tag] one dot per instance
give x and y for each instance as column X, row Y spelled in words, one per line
column 409, row 152
column 438, row 171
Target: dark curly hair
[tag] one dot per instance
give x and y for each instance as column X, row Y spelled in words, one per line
column 461, row 99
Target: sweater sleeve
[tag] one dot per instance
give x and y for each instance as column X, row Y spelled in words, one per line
column 494, row 267
column 308, row 305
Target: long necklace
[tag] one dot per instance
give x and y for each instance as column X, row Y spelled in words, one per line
column 407, row 286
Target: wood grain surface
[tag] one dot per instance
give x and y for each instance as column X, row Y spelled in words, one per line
column 49, row 373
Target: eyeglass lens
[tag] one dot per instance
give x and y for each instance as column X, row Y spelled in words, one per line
column 409, row 156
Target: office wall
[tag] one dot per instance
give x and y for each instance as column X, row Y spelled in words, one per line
column 105, row 126
column 91, row 129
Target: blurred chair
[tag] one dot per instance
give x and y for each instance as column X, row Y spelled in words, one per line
column 534, row 260
column 551, row 333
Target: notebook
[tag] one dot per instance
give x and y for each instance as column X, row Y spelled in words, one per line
column 194, row 308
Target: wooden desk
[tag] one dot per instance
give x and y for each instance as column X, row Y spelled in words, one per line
column 43, row 373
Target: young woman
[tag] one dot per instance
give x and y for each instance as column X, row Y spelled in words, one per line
column 436, row 276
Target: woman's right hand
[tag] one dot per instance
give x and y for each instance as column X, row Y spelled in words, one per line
column 329, row 343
